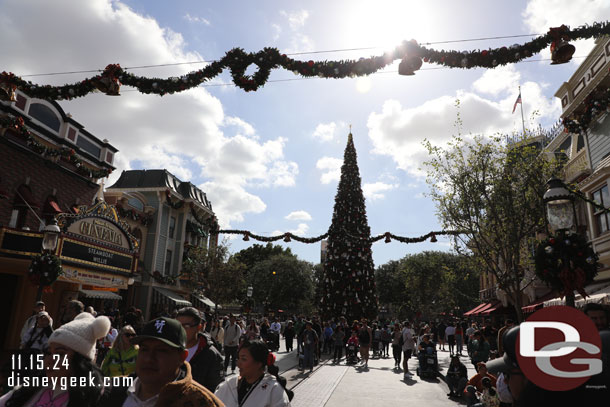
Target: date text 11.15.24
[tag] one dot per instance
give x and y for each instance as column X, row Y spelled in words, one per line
column 36, row 362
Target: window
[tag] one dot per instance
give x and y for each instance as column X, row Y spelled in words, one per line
column 172, row 227
column 602, row 197
column 168, row 262
column 88, row 146
column 135, row 203
column 45, row 115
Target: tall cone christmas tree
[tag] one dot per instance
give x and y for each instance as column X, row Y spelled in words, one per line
column 349, row 283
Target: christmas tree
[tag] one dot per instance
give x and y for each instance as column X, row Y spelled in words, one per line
column 349, row 283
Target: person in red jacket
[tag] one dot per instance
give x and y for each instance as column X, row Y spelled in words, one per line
column 474, row 386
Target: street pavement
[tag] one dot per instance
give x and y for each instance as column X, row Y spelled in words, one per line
column 332, row 385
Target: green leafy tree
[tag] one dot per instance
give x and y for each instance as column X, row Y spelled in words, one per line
column 212, row 273
column 283, row 282
column 492, row 191
column 258, row 252
column 349, row 281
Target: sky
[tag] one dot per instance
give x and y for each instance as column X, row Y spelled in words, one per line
column 269, row 160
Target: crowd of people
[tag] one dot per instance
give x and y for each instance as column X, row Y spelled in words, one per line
column 183, row 358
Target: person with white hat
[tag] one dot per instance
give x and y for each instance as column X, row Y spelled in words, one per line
column 70, row 353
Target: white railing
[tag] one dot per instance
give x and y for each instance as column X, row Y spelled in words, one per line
column 576, row 166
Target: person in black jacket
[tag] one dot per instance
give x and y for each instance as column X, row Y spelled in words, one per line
column 457, row 377
column 205, row 359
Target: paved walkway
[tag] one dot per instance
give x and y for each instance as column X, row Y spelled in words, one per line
column 380, row 385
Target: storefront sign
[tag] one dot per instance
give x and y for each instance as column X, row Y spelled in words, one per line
column 100, row 230
column 82, row 276
column 87, row 254
column 19, row 242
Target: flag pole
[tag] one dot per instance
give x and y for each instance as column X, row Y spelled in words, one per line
column 522, row 119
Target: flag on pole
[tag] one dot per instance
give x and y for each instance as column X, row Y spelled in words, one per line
column 517, row 101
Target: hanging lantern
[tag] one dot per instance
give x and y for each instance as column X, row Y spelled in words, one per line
column 388, row 239
column 561, row 52
column 246, row 238
column 433, row 238
column 7, row 92
column 409, row 65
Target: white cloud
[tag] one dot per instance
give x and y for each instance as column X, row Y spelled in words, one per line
column 301, row 230
column 540, row 15
column 195, row 19
column 498, row 80
column 375, row 190
column 187, row 133
column 398, row 132
column 327, row 131
column 331, row 169
column 298, row 215
column 296, row 19
column 277, row 30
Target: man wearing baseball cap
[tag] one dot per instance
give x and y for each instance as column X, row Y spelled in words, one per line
column 163, row 375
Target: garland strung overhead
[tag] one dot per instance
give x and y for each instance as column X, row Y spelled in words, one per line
column 287, row 237
column 237, row 61
column 595, row 104
column 17, row 125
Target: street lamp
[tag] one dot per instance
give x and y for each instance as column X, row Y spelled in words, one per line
column 50, row 236
column 561, row 212
column 249, row 292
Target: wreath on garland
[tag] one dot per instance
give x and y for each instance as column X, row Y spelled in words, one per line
column 45, row 269
column 566, row 263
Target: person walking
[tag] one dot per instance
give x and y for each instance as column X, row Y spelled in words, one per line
column 386, row 338
column 218, row 334
column 121, row 358
column 309, row 340
column 450, row 335
column 252, row 332
column 258, row 383
column 408, row 347
column 337, row 338
column 440, row 334
column 365, row 337
column 328, row 332
column 289, row 334
column 459, row 339
column 38, row 335
column 231, row 342
column 478, row 348
column 397, row 342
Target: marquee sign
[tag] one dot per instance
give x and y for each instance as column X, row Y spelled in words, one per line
column 97, row 238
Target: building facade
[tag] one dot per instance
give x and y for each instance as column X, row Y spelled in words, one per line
column 49, row 166
column 180, row 217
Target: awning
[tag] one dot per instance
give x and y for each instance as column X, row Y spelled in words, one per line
column 538, row 303
column 170, row 296
column 204, row 301
column 488, row 311
column 600, row 297
column 475, row 309
column 105, row 295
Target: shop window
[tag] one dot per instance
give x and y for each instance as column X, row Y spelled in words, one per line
column 168, row 262
column 88, row 146
column 172, row 227
column 136, row 203
column 580, row 144
column 21, row 205
column 602, row 197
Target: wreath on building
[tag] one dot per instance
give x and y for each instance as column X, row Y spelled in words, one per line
column 45, row 269
column 566, row 263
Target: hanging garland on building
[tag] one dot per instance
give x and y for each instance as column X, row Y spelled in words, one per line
column 595, row 104
column 287, row 237
column 237, row 61
column 566, row 263
column 17, row 125
column 210, row 224
column 44, row 269
column 132, row 214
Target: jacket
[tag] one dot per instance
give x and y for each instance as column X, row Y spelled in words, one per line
column 207, row 363
column 183, row 392
column 268, row 393
column 117, row 363
column 477, row 381
column 232, row 334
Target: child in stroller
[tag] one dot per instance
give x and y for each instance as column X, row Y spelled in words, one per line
column 351, row 353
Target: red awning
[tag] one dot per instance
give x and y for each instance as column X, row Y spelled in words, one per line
column 483, row 309
column 491, row 309
column 538, row 303
column 475, row 309
column 51, row 207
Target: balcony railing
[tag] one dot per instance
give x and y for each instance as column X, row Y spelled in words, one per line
column 577, row 166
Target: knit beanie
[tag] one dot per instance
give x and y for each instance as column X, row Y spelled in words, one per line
column 81, row 333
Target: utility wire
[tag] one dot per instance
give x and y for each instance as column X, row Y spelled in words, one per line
column 292, row 54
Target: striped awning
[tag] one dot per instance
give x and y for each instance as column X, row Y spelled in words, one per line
column 475, row 309
column 104, row 295
column 203, row 300
column 167, row 296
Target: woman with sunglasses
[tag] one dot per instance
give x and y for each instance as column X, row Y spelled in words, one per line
column 121, row 358
column 70, row 354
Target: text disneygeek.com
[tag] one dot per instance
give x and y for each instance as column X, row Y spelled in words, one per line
column 64, row 383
